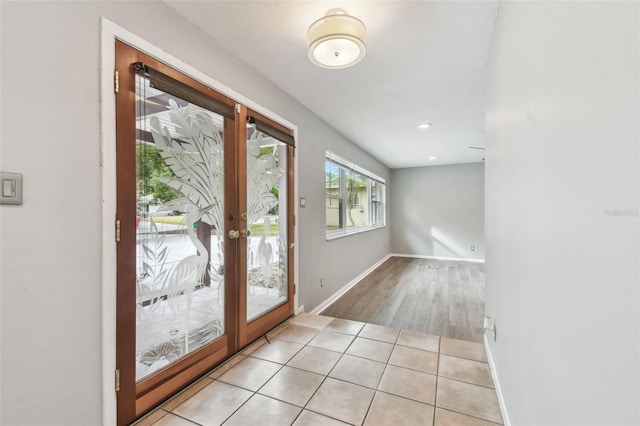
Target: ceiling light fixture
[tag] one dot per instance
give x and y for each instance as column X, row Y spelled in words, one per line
column 433, row 158
column 336, row 40
column 424, row 125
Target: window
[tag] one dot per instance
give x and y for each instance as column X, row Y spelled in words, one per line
column 354, row 197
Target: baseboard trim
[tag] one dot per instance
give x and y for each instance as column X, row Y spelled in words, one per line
column 503, row 407
column 420, row 256
column 335, row 296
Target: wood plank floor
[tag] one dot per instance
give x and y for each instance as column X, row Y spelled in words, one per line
column 440, row 297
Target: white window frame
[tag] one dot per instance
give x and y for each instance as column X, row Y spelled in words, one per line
column 375, row 204
column 346, row 166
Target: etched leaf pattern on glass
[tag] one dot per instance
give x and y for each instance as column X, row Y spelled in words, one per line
column 180, row 282
column 180, row 299
column 266, row 213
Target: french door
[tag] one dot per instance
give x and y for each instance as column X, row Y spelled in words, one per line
column 204, row 227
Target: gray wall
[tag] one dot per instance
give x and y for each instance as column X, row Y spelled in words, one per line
column 337, row 261
column 561, row 271
column 438, row 211
column 50, row 264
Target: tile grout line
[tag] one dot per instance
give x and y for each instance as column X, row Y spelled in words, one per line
column 366, row 414
column 148, row 415
column 323, row 380
column 204, row 377
column 342, row 354
column 183, row 418
column 304, row 345
column 254, row 393
column 467, row 382
column 326, row 376
column 461, row 381
column 435, row 395
column 471, row 416
column 405, row 397
column 375, row 391
column 176, row 396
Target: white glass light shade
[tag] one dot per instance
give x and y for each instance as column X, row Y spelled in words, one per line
column 336, row 40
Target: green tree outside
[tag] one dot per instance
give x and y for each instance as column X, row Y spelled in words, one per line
column 150, row 168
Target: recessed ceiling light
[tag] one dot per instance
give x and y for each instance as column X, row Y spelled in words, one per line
column 424, row 125
column 433, row 158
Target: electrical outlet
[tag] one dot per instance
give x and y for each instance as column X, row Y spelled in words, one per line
column 490, row 325
column 321, row 282
column 11, row 188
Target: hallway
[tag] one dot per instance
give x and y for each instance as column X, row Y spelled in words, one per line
column 318, row 370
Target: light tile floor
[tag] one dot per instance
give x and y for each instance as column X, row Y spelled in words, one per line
column 317, row 370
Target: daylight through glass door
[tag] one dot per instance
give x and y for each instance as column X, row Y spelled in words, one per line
column 267, row 213
column 179, row 228
column 204, row 229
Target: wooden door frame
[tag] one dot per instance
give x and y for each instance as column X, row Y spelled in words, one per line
column 251, row 330
column 136, row 398
column 110, row 32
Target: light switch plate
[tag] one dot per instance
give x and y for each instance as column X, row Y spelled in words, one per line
column 10, row 188
column 303, row 202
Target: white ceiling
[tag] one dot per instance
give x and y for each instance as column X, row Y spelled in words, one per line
column 424, row 63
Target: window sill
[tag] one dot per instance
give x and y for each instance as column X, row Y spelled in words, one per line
column 341, row 234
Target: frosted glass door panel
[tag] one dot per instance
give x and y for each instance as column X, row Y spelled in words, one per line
column 180, row 194
column 267, row 277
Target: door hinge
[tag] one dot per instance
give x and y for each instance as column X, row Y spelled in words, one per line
column 295, row 288
column 117, row 380
column 116, row 81
column 238, row 108
column 117, row 230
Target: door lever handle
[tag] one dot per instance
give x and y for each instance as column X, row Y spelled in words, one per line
column 245, row 233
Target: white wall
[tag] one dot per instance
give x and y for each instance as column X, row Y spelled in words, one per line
column 562, row 149
column 438, row 211
column 50, row 268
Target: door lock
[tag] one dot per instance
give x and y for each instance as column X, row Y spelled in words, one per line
column 243, row 216
column 234, row 234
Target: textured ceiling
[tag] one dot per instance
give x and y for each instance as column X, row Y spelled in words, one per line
column 424, row 63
